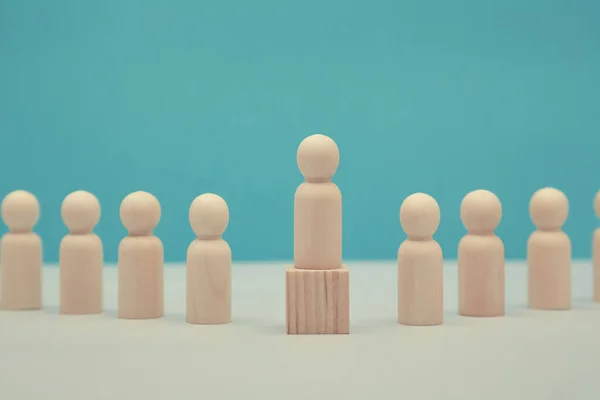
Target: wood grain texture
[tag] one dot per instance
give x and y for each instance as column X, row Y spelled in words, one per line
column 141, row 285
column 208, row 282
column 81, row 261
column 317, row 301
column 420, row 283
column 481, row 276
column 549, row 270
column 596, row 260
column 21, row 271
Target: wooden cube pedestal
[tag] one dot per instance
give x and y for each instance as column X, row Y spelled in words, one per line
column 317, row 301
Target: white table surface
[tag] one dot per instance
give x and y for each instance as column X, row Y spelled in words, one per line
column 526, row 355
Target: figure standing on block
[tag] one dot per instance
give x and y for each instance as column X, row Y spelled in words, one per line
column 481, row 257
column 420, row 263
column 209, row 263
column 317, row 285
column 549, row 252
column 20, row 254
column 141, row 259
column 318, row 207
column 596, row 252
column 81, row 256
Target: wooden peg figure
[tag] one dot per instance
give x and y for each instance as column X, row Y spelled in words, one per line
column 318, row 207
column 481, row 263
column 209, row 263
column 141, row 259
column 420, row 263
column 81, row 256
column 596, row 252
column 317, row 285
column 549, row 252
column 20, row 254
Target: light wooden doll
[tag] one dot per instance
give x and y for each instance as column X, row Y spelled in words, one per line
column 420, row 263
column 318, row 206
column 549, row 252
column 481, row 257
column 209, row 263
column 141, row 258
column 81, row 256
column 20, row 254
column 596, row 252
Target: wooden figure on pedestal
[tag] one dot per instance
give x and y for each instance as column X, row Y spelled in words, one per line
column 317, row 285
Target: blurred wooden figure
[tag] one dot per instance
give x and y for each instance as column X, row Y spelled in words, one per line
column 596, row 252
column 481, row 263
column 20, row 254
column 420, row 263
column 208, row 268
column 317, row 285
column 141, row 259
column 81, row 256
column 549, row 252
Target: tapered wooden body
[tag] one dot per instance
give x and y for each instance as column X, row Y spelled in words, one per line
column 21, row 271
column 208, row 282
column 141, row 284
column 420, row 283
column 549, row 264
column 81, row 261
column 596, row 260
column 318, row 226
column 481, row 276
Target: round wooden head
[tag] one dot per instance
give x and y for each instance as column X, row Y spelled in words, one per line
column 20, row 211
column 481, row 212
column 419, row 216
column 140, row 213
column 80, row 212
column 318, row 158
column 597, row 204
column 549, row 209
column 209, row 216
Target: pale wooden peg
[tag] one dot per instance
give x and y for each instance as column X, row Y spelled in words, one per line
column 20, row 253
column 596, row 252
column 81, row 256
column 549, row 252
column 141, row 259
column 318, row 206
column 481, row 262
column 208, row 281
column 420, row 263
column 317, row 285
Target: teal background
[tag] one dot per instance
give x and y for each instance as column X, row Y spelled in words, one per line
column 181, row 97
